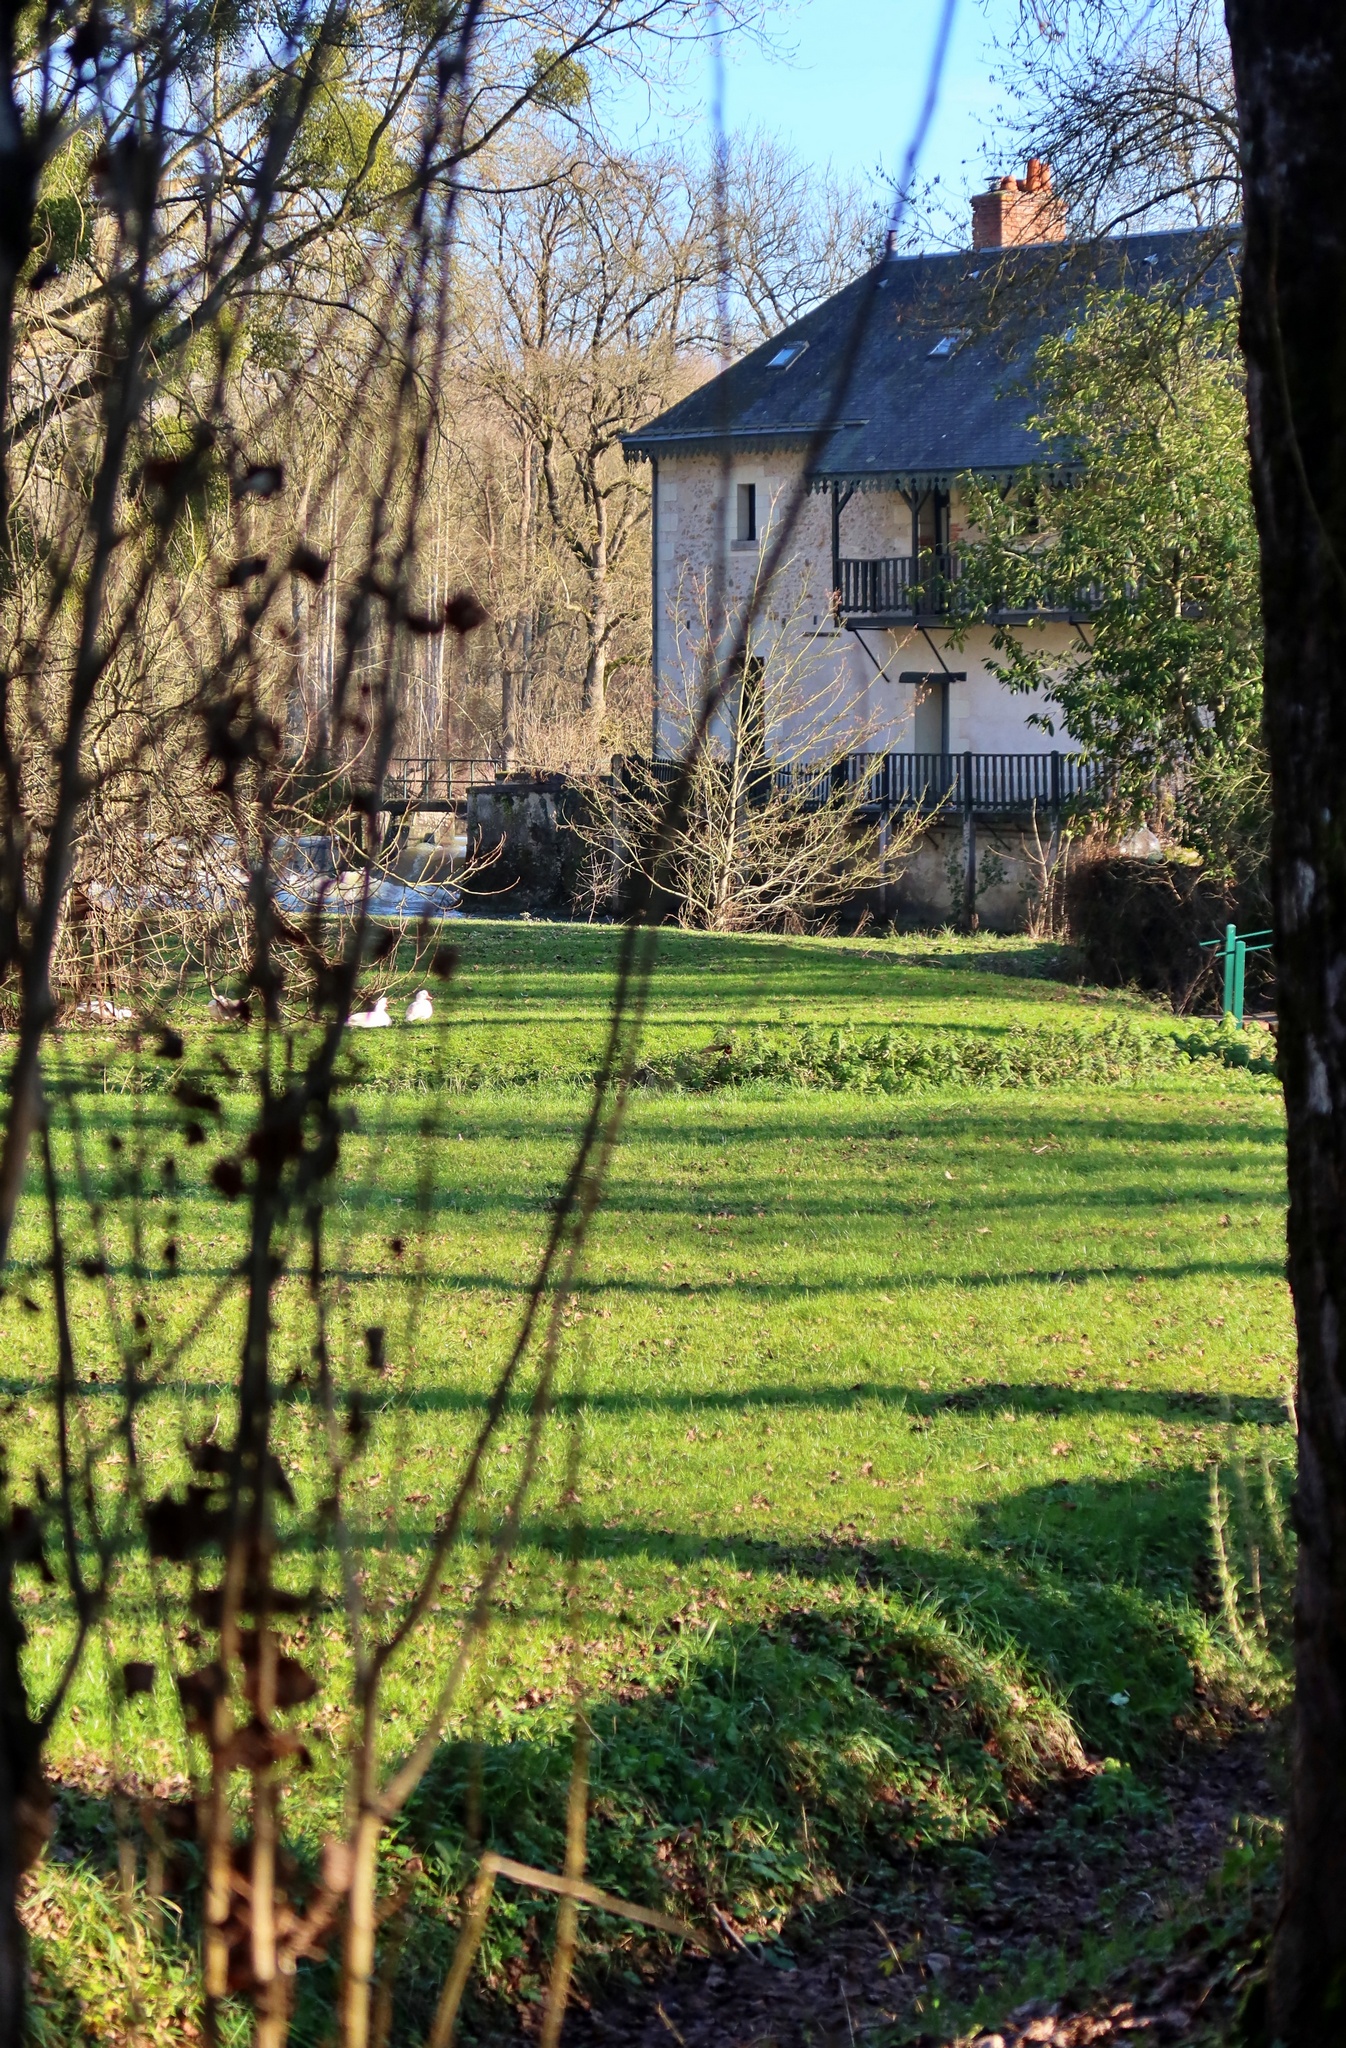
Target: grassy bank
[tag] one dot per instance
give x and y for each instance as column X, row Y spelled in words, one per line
column 528, row 1007
column 897, row 1421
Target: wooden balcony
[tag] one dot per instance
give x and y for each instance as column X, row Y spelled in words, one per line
column 899, row 586
column 984, row 785
column 902, row 589
column 956, row 785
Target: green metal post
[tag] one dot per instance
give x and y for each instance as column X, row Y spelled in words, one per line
column 1240, row 965
column 1227, row 954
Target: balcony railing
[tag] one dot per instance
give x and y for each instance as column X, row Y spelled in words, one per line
column 889, row 585
column 985, row 785
column 930, row 585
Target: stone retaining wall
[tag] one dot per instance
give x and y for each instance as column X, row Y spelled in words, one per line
column 526, row 827
column 530, row 825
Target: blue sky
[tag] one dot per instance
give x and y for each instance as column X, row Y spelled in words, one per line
column 847, row 87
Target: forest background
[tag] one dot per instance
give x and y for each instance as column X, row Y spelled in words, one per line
column 595, row 285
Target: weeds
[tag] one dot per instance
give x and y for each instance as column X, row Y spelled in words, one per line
column 109, row 1963
column 900, row 1059
column 1252, row 1557
column 903, row 1060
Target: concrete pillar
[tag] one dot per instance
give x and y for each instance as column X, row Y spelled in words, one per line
column 969, row 850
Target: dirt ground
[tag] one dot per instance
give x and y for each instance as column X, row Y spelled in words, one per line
column 892, row 1965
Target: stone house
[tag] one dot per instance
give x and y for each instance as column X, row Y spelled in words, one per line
column 868, row 414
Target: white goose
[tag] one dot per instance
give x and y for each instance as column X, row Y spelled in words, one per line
column 100, row 1007
column 371, row 1020
column 420, row 1009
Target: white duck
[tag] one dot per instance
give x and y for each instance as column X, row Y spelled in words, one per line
column 420, row 1009
column 371, row 1020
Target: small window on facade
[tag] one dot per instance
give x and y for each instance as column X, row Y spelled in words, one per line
column 746, row 528
column 787, row 355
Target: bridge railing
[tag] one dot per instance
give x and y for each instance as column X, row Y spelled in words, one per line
column 433, row 778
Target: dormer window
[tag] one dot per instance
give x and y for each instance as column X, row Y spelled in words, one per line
column 785, row 356
column 949, row 343
column 745, row 527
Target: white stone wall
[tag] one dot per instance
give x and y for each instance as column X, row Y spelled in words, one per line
column 696, row 517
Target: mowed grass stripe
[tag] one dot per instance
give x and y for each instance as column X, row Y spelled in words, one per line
column 810, row 1268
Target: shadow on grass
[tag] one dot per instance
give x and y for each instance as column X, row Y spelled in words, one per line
column 895, row 1702
column 904, row 1709
column 736, row 1286
column 993, row 1398
column 1103, row 1590
column 998, row 1399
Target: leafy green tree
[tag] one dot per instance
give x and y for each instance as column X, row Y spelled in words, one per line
column 1144, row 530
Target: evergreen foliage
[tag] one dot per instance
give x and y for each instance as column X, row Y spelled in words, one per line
column 1153, row 536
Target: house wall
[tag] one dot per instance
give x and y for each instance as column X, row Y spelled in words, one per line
column 835, row 690
column 928, row 887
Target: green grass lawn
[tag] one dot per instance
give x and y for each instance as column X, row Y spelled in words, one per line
column 530, row 999
column 897, row 1411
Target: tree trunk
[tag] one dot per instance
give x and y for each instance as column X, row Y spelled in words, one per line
column 298, row 724
column 13, row 1944
column 596, row 668
column 509, row 712
column 1290, row 72
column 595, row 699
column 25, row 1804
column 515, row 677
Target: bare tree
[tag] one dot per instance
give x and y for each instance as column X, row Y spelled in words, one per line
column 1134, row 110
column 502, row 540
column 778, row 829
column 588, row 286
column 793, row 232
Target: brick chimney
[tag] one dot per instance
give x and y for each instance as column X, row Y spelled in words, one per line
column 1017, row 211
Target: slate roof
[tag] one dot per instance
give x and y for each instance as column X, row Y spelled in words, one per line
column 910, row 416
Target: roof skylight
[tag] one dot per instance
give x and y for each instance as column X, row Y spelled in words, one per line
column 787, row 355
column 947, row 343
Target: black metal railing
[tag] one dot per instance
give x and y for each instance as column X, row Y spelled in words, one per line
column 983, row 783
column 986, row 785
column 412, row 778
column 932, row 585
